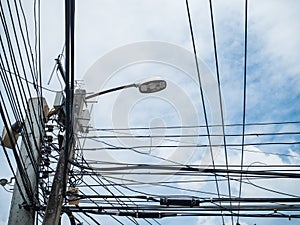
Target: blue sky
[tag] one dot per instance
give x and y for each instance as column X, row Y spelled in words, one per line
column 273, row 81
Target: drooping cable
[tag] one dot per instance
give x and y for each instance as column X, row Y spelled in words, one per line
column 105, row 187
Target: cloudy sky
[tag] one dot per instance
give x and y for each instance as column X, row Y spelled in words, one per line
column 121, row 42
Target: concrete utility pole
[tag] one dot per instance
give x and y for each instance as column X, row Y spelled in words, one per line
column 19, row 214
column 54, row 206
column 73, row 108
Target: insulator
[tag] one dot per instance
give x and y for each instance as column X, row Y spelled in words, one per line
column 46, row 150
column 45, row 175
column 50, row 128
column 49, row 139
column 46, row 161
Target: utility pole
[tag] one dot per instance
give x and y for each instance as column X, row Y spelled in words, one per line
column 73, row 108
column 54, row 206
column 20, row 214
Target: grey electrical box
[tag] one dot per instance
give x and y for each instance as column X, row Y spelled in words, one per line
column 59, row 98
column 84, row 120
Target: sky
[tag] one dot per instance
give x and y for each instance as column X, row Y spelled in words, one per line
column 121, row 42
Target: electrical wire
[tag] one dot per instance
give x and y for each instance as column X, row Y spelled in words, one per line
column 18, row 84
column 244, row 96
column 202, row 95
column 198, row 126
column 220, row 96
column 128, row 135
column 24, row 178
column 30, row 82
column 134, row 148
column 18, row 53
column 107, row 187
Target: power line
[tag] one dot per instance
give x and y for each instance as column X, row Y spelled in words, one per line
column 201, row 93
column 185, row 146
column 220, row 96
column 198, row 126
column 244, row 96
column 24, row 178
column 98, row 180
column 128, row 135
column 15, row 67
column 30, row 82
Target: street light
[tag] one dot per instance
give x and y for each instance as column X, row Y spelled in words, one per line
column 149, row 85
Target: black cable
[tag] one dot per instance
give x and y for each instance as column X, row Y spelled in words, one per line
column 134, row 148
column 102, row 185
column 29, row 82
column 270, row 190
column 199, row 126
column 87, row 215
column 127, row 135
column 147, row 221
column 136, row 151
column 90, row 162
column 39, row 47
column 72, row 53
column 25, row 46
column 167, row 186
column 191, row 169
column 6, row 81
column 134, row 183
column 23, row 38
column 123, row 135
column 25, row 136
column 20, row 86
column 7, row 88
column 118, row 200
column 18, row 149
column 244, row 97
column 26, row 140
column 14, row 174
column 83, row 219
column 24, row 178
column 154, row 214
column 36, row 39
column 202, row 95
column 69, row 17
column 28, row 50
column 27, row 36
column 98, row 194
column 107, row 187
column 202, row 192
column 71, row 217
column 220, row 96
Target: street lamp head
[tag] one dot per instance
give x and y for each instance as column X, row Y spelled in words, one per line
column 151, row 85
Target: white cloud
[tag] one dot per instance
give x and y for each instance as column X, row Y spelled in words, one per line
column 214, row 220
column 273, row 58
